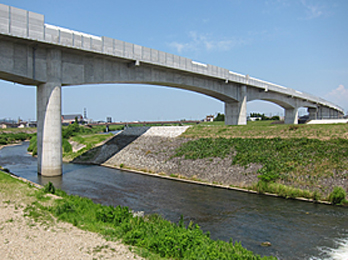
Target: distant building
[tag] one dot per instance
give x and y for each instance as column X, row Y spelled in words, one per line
column 5, row 125
column 254, row 118
column 109, row 119
column 69, row 119
column 209, row 118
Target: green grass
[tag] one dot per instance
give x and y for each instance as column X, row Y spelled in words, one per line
column 285, row 191
column 265, row 129
column 14, row 137
column 151, row 235
column 300, row 160
column 91, row 140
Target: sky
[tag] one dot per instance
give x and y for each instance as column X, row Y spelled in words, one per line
column 301, row 44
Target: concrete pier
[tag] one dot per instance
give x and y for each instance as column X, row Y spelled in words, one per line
column 49, row 111
column 46, row 56
column 236, row 112
column 291, row 116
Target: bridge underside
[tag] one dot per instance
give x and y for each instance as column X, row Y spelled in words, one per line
column 50, row 67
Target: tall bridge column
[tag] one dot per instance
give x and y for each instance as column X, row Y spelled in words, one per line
column 291, row 116
column 312, row 113
column 49, row 127
column 236, row 112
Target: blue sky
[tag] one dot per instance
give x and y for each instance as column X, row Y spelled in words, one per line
column 301, row 44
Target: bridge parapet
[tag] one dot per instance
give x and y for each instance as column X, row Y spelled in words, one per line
column 25, row 24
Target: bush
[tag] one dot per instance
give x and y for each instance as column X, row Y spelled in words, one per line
column 49, row 188
column 33, row 145
column 337, row 195
column 71, row 130
column 8, row 138
column 66, row 146
column 219, row 117
column 3, row 141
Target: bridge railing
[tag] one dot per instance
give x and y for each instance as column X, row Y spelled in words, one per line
column 25, row 24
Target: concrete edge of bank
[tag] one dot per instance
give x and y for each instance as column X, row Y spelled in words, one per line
column 156, row 175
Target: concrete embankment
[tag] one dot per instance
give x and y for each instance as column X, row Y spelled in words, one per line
column 151, row 150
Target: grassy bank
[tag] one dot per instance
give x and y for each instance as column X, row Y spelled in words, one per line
column 150, row 236
column 267, row 129
column 89, row 137
column 297, row 160
column 14, row 137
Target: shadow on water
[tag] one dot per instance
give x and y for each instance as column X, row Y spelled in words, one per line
column 296, row 230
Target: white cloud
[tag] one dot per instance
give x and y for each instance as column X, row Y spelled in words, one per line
column 313, row 9
column 198, row 42
column 339, row 96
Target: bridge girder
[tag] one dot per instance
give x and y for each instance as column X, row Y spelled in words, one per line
column 49, row 57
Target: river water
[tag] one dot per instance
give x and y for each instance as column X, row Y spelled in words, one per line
column 296, row 230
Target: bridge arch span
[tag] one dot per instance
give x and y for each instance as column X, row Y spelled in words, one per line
column 49, row 57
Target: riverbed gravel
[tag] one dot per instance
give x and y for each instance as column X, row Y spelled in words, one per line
column 23, row 238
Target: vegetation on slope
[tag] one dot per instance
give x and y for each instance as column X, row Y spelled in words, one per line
column 265, row 129
column 288, row 158
column 88, row 136
column 14, row 137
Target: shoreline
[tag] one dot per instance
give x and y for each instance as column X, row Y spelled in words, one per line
column 156, row 175
column 181, row 179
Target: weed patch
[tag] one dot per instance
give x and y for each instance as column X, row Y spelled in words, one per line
column 337, row 196
column 149, row 234
column 281, row 158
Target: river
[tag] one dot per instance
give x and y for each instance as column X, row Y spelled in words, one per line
column 296, row 230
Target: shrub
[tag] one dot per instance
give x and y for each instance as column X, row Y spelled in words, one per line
column 219, row 117
column 66, row 146
column 49, row 188
column 3, row 141
column 33, row 145
column 337, row 195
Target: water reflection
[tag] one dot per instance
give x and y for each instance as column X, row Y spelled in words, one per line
column 56, row 180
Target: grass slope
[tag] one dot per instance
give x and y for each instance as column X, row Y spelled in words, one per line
column 265, row 129
column 298, row 160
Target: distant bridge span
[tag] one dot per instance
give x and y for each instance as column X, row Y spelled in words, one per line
column 49, row 57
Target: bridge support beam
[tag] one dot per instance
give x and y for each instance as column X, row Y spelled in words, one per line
column 236, row 112
column 291, row 116
column 49, row 126
column 313, row 113
column 328, row 113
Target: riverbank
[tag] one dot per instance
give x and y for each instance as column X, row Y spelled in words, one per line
column 154, row 151
column 26, row 235
column 30, row 229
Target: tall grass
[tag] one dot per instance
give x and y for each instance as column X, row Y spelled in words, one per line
column 280, row 158
column 10, row 138
column 152, row 233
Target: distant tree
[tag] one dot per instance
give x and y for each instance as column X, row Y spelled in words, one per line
column 219, row 117
column 276, row 118
column 263, row 117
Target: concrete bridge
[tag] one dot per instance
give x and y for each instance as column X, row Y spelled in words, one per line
column 50, row 57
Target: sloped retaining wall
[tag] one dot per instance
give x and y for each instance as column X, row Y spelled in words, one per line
column 153, row 152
